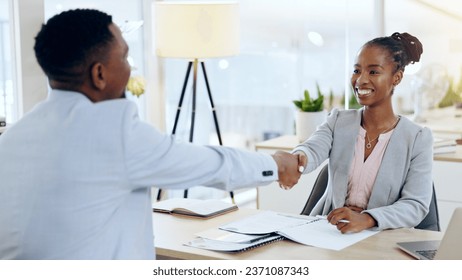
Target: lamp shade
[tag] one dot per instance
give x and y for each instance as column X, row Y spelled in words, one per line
column 197, row 29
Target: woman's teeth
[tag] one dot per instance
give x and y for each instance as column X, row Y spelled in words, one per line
column 364, row 91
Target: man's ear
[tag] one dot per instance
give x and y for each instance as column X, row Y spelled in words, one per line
column 397, row 77
column 98, row 76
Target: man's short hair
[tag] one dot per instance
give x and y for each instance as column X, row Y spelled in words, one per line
column 70, row 42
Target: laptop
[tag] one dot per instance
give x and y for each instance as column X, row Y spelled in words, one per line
column 449, row 248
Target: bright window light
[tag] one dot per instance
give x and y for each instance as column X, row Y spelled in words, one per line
column 411, row 69
column 316, row 38
column 223, row 64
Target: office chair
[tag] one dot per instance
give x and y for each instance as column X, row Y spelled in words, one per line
column 430, row 222
column 317, row 191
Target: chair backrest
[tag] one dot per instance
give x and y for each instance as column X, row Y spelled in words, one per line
column 430, row 222
column 317, row 191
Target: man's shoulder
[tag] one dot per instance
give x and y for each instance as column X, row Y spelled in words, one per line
column 117, row 105
column 77, row 107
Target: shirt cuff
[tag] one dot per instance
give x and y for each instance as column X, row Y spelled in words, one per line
column 269, row 171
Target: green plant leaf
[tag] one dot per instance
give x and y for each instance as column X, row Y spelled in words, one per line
column 309, row 104
column 298, row 103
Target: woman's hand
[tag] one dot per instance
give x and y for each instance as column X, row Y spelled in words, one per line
column 302, row 161
column 357, row 221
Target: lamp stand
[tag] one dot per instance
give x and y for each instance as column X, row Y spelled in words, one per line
column 194, row 64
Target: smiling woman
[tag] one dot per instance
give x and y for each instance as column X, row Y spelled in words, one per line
column 379, row 163
column 378, row 69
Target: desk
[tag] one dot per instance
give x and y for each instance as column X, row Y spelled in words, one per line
column 446, row 175
column 172, row 231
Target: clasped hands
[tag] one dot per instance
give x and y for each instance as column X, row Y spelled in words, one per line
column 290, row 167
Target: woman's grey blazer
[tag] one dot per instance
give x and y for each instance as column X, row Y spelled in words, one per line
column 403, row 188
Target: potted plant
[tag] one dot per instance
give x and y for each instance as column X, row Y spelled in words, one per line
column 136, row 85
column 310, row 114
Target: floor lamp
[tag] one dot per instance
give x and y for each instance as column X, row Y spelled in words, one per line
column 196, row 31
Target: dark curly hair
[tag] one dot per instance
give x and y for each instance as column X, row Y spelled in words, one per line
column 403, row 48
column 70, row 42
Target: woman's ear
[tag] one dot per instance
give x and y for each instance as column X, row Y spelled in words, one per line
column 397, row 77
column 98, row 76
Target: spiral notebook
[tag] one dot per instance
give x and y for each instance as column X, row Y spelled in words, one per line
column 232, row 246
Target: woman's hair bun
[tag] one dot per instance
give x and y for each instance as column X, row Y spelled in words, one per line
column 412, row 46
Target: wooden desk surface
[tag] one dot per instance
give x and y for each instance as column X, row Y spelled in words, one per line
column 172, row 231
column 288, row 142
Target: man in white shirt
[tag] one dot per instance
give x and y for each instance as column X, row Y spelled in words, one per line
column 76, row 171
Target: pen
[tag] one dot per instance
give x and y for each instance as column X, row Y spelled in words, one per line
column 301, row 217
column 325, row 218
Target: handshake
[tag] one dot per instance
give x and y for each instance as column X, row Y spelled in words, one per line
column 290, row 168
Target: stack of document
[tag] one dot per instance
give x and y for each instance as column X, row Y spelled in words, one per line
column 269, row 226
column 443, row 146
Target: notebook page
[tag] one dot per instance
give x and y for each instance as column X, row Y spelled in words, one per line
column 322, row 234
column 266, row 222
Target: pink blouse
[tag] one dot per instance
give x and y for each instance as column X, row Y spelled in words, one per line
column 363, row 172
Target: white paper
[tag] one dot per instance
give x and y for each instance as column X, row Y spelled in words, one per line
column 322, row 234
column 266, row 222
column 302, row 229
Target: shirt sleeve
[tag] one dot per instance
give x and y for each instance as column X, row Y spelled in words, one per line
column 156, row 159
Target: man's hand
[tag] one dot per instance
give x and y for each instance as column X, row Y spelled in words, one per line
column 290, row 167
